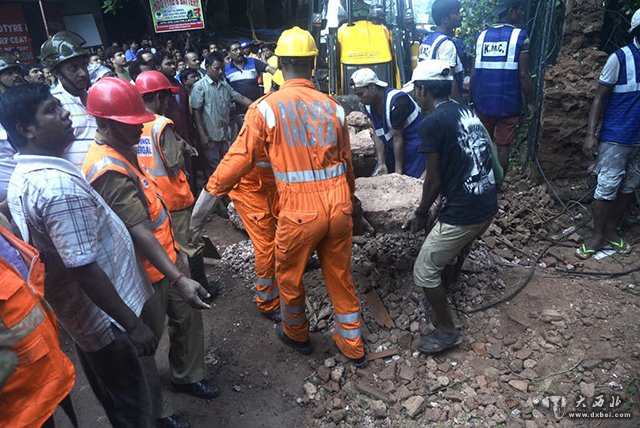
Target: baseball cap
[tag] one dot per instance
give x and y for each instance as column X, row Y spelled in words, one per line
column 635, row 21
column 366, row 76
column 429, row 69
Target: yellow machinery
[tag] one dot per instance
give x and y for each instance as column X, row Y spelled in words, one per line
column 380, row 38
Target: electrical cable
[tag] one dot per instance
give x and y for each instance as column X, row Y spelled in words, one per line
column 515, row 291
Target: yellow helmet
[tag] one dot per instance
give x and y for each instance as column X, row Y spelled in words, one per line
column 296, row 42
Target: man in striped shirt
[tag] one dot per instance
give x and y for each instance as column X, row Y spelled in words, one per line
column 68, row 62
column 93, row 280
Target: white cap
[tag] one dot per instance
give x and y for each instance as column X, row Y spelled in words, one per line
column 635, row 21
column 366, row 76
column 429, row 69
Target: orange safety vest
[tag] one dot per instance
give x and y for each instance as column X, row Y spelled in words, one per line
column 102, row 158
column 44, row 375
column 175, row 190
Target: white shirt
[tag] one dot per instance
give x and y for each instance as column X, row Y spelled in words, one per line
column 60, row 214
column 448, row 52
column 611, row 70
column 84, row 126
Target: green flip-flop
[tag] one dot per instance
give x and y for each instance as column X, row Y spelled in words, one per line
column 621, row 247
column 582, row 252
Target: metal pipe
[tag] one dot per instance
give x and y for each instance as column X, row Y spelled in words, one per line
column 44, row 19
column 334, row 62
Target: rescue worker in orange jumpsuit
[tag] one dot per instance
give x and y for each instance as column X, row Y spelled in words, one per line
column 44, row 376
column 255, row 198
column 160, row 154
column 306, row 138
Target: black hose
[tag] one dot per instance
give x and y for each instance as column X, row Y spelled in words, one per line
column 515, row 291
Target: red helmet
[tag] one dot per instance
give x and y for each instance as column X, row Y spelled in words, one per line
column 153, row 81
column 116, row 99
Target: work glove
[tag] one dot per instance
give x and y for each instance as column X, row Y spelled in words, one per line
column 360, row 224
column 203, row 207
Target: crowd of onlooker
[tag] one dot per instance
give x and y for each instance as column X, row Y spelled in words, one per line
column 181, row 131
column 128, row 60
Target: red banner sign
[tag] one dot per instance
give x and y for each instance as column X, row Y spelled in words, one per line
column 14, row 33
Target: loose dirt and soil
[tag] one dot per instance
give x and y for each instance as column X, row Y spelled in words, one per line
column 564, row 335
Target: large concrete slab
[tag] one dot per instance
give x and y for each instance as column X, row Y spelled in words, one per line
column 388, row 199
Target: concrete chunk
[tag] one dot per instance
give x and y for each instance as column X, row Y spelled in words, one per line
column 387, row 200
column 414, row 405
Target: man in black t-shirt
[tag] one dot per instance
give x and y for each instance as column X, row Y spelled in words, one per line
column 460, row 168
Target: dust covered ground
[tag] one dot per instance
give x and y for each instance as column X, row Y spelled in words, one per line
column 565, row 341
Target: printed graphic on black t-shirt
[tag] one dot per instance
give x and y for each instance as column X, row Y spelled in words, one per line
column 468, row 184
column 474, row 141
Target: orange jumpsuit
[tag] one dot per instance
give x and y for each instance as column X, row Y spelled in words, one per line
column 255, row 199
column 306, row 138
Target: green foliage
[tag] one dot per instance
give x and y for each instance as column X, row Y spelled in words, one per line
column 476, row 16
column 110, row 6
column 422, row 11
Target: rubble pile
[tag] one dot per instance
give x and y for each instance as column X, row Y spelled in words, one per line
column 570, row 86
column 363, row 152
column 496, row 377
column 493, row 379
column 239, row 259
column 528, row 217
column 507, row 367
column 383, row 265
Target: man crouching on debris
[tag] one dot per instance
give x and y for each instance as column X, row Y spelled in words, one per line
column 461, row 168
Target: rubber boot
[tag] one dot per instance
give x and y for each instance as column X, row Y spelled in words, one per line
column 196, row 267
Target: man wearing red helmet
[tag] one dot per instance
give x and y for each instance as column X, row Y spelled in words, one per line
column 160, row 154
column 112, row 168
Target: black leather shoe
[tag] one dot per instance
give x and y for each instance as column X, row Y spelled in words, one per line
column 200, row 389
column 173, row 421
column 305, row 348
column 274, row 316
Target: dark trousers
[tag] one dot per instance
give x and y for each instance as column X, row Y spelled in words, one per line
column 213, row 152
column 118, row 381
column 186, row 339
